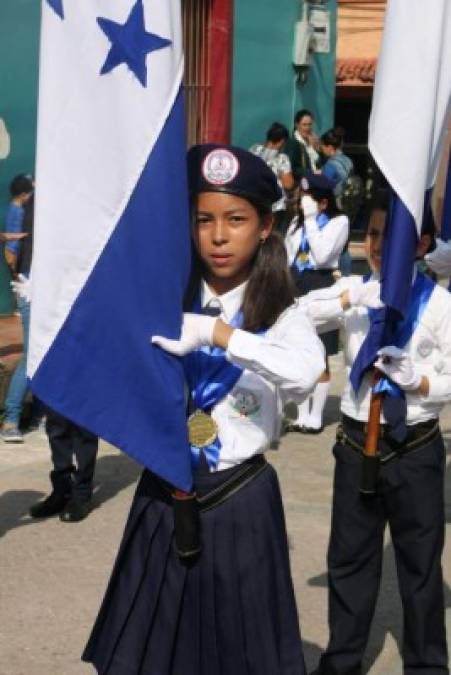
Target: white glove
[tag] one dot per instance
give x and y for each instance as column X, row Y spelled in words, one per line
column 22, row 286
column 197, row 331
column 439, row 261
column 399, row 367
column 366, row 295
column 309, row 207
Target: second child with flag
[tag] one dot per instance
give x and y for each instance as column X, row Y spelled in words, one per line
column 410, row 489
column 246, row 347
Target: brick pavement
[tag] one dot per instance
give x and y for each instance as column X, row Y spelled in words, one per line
column 54, row 574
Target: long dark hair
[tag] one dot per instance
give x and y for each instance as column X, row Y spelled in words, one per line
column 270, row 289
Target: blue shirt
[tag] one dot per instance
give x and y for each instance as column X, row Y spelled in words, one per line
column 337, row 169
column 13, row 224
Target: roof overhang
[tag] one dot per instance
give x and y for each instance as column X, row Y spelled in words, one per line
column 359, row 33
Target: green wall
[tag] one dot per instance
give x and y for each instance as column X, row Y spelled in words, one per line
column 19, row 43
column 264, row 88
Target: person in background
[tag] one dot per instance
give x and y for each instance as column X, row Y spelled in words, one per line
column 74, row 453
column 303, row 146
column 338, row 168
column 314, row 241
column 18, row 385
column 20, row 189
column 272, row 153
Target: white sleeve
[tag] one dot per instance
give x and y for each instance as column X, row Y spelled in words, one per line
column 285, row 164
column 439, row 261
column 440, row 383
column 327, row 243
column 324, row 305
column 290, row 355
column 292, row 240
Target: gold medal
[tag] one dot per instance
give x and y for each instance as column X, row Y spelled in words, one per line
column 202, row 429
column 302, row 257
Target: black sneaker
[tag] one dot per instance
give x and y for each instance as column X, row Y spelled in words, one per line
column 50, row 506
column 75, row 511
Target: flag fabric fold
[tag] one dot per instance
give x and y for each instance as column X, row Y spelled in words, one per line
column 445, row 231
column 111, row 253
column 411, row 108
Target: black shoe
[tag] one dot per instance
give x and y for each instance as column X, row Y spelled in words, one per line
column 51, row 506
column 294, row 427
column 75, row 511
column 312, row 430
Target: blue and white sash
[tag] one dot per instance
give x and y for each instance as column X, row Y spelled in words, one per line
column 210, row 377
column 380, row 335
column 302, row 260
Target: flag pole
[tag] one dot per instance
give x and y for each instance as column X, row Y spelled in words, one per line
column 371, row 456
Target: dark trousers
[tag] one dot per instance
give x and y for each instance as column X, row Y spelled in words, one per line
column 411, row 500
column 68, row 441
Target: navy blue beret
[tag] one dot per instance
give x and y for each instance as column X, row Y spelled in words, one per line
column 316, row 181
column 225, row 168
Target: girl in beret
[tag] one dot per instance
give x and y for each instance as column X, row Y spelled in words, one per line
column 314, row 241
column 229, row 607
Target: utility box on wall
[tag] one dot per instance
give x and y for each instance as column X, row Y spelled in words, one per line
column 266, row 86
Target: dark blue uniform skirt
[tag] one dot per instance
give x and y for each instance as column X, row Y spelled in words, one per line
column 231, row 611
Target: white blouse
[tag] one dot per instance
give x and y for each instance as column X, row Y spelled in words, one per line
column 325, row 244
column 284, row 364
column 429, row 348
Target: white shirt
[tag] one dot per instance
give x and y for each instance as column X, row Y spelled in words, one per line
column 325, row 245
column 279, row 163
column 429, row 348
column 284, row 364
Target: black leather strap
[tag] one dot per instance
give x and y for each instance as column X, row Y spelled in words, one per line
column 243, row 475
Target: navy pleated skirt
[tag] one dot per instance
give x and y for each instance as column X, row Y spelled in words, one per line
column 230, row 611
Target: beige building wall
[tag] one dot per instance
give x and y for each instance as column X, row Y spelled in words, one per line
column 360, row 24
column 359, row 31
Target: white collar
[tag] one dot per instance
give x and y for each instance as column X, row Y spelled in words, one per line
column 230, row 302
column 299, row 138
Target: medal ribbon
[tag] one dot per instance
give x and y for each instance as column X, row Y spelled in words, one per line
column 302, row 260
column 210, row 378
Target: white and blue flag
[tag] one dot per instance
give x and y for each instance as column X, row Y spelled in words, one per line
column 112, row 245
column 411, row 108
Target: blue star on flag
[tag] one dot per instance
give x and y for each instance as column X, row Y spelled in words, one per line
column 57, row 6
column 130, row 43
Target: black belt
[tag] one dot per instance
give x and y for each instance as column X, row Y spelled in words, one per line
column 187, row 506
column 353, row 433
column 321, row 270
column 242, row 476
column 238, row 479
